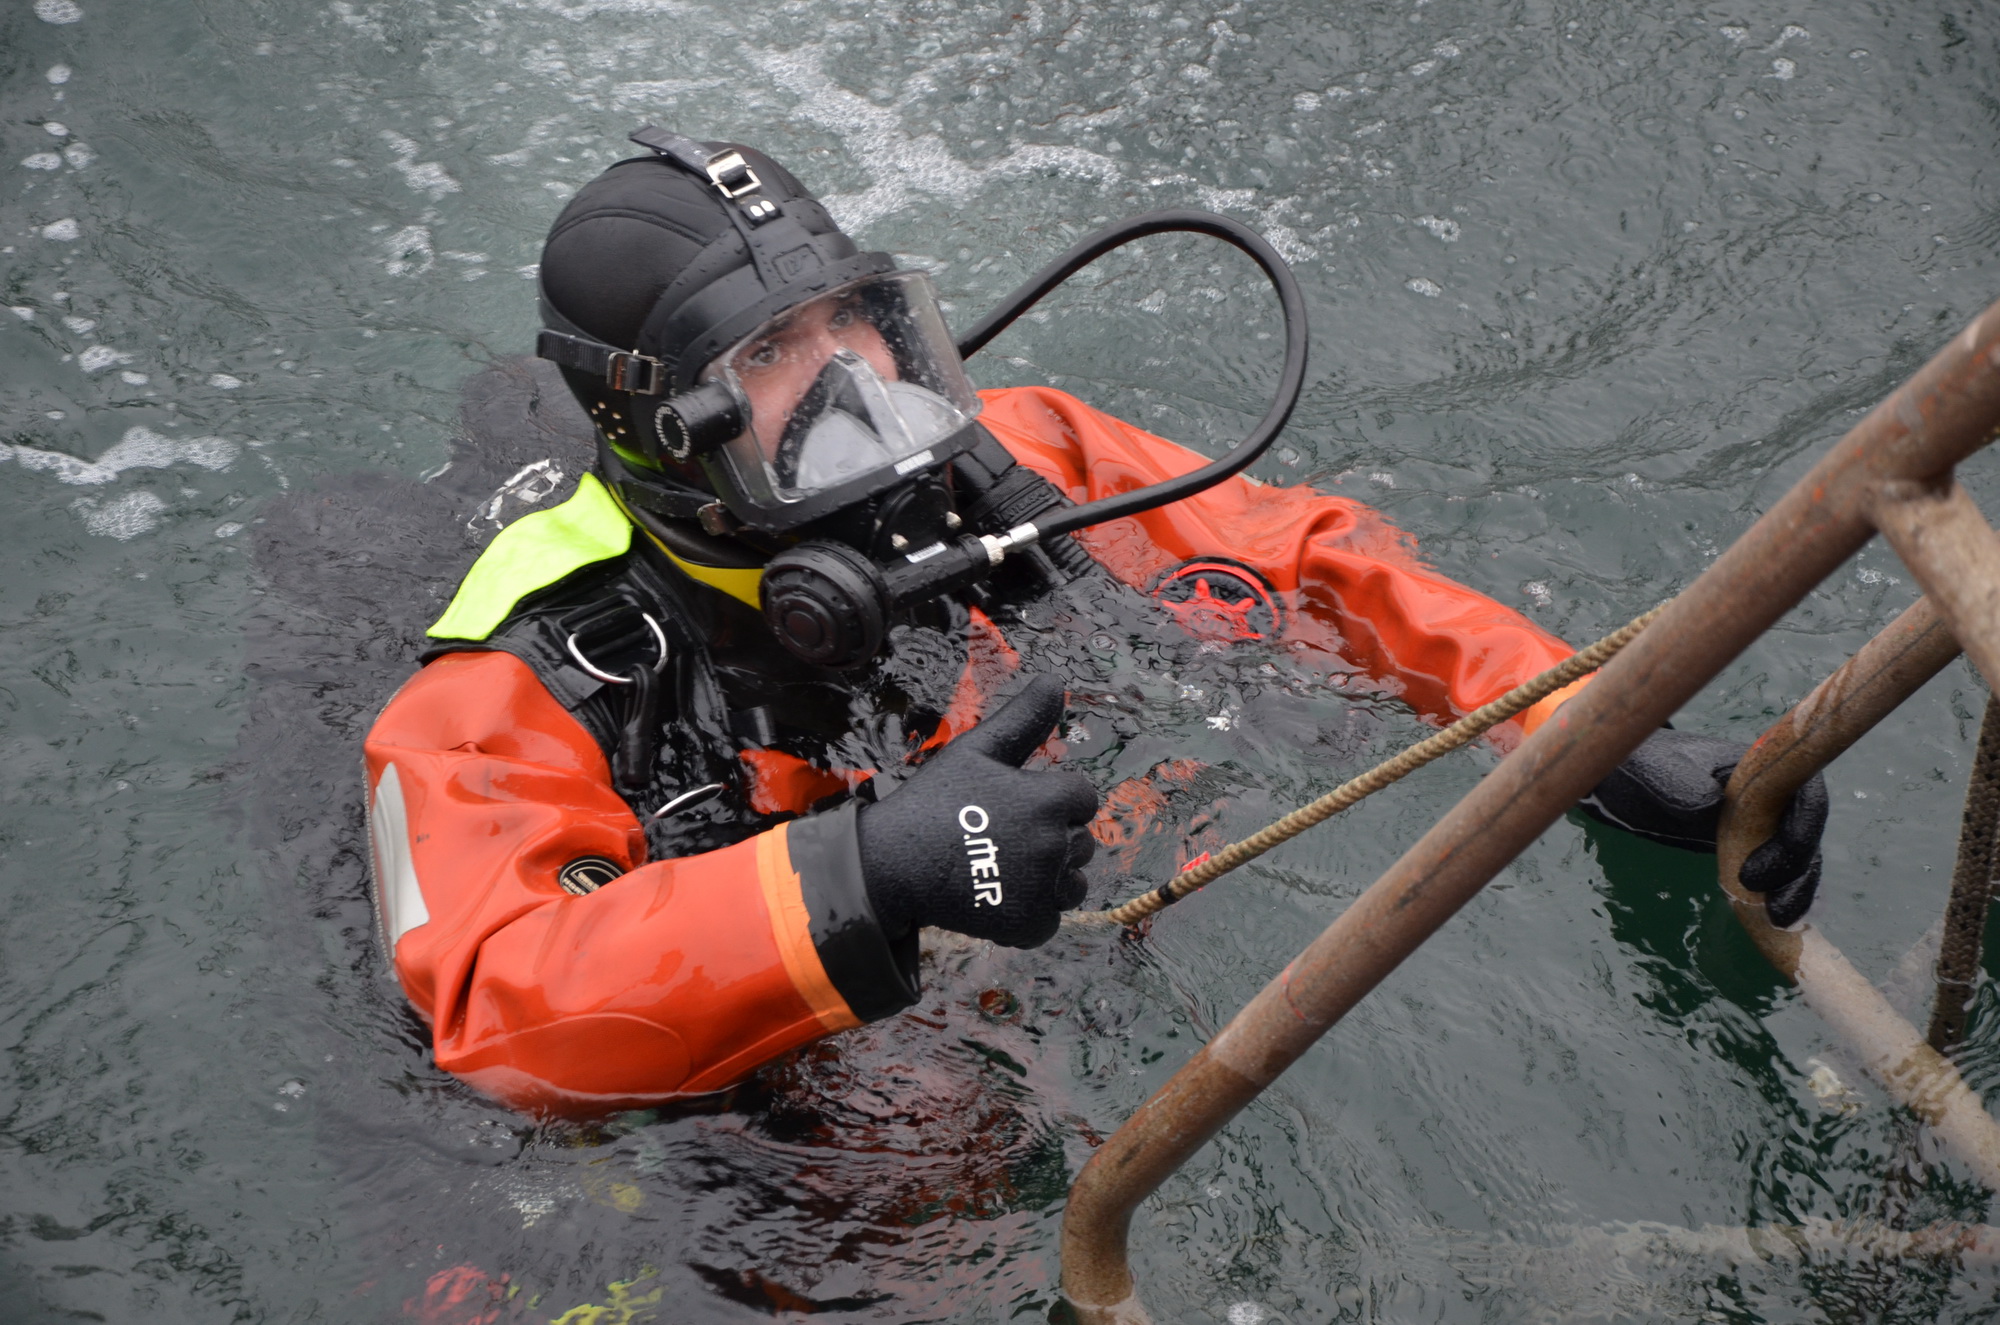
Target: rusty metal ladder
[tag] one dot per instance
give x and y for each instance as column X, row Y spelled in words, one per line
column 1892, row 474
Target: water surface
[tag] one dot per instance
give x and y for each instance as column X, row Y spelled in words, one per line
column 1591, row 286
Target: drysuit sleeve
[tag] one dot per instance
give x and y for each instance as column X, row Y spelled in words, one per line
column 675, row 977
column 1351, row 579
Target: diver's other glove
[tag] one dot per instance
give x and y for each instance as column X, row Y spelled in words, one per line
column 1670, row 791
column 974, row 843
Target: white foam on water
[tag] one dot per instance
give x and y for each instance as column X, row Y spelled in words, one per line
column 22, row 311
column 59, row 74
column 64, row 231
column 56, row 129
column 901, row 164
column 79, row 155
column 359, row 22
column 229, row 530
column 42, row 161
column 423, row 176
column 139, row 448
column 99, row 357
column 82, row 326
column 224, row 382
column 409, row 251
column 1246, row 1313
column 134, row 379
column 125, row 518
column 578, row 10
column 663, row 94
column 58, row 11
column 1442, row 228
column 1783, row 70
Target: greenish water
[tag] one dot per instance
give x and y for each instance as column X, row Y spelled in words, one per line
column 1591, row 286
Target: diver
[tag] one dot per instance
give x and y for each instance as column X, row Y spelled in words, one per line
column 694, row 754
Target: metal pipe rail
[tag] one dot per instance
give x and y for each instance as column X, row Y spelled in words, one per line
column 1840, row 710
column 1893, row 468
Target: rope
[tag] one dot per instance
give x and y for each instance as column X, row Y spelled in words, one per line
column 1467, row 728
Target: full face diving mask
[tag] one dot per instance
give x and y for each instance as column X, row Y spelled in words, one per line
column 841, row 397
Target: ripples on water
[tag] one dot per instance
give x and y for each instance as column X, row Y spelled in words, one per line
column 1590, row 286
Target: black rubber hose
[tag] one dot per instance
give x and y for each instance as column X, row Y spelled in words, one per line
column 1291, row 382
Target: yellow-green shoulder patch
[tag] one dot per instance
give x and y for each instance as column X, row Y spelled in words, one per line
column 533, row 553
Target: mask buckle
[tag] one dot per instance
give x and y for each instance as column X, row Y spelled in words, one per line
column 732, row 175
column 640, row 374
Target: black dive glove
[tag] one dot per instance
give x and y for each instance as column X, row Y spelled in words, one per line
column 973, row 843
column 1670, row 791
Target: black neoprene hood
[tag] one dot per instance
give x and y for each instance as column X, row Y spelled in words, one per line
column 648, row 257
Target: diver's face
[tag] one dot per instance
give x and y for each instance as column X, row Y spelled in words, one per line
column 778, row 370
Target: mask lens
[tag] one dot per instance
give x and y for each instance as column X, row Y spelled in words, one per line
column 843, row 389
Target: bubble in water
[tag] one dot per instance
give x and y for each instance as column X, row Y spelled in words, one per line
column 126, row 518
column 58, row 11
column 63, row 231
column 99, row 357
column 1428, row 289
column 58, row 74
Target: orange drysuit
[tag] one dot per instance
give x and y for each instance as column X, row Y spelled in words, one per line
column 558, row 991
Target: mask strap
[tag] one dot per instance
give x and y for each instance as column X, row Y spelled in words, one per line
column 781, row 247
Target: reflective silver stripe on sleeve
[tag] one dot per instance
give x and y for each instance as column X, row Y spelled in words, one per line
column 399, row 902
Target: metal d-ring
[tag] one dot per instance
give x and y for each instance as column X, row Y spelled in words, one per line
column 610, row 678
column 687, row 800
